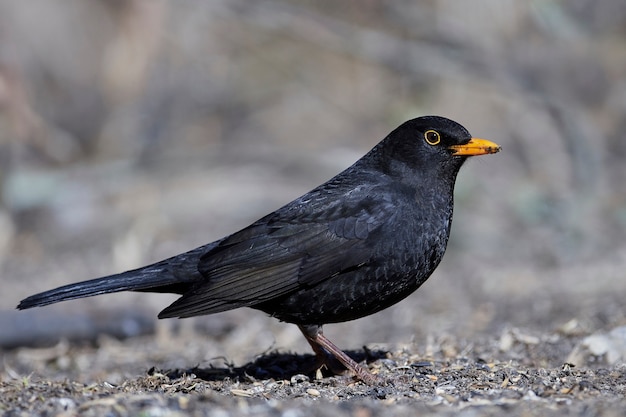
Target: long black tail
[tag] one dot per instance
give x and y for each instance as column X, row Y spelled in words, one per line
column 173, row 275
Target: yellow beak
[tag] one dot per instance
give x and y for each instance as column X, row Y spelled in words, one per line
column 475, row 147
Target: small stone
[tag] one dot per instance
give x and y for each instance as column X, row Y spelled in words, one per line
column 506, row 341
column 299, row 378
column 313, row 392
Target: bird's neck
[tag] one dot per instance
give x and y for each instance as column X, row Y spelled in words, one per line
column 423, row 181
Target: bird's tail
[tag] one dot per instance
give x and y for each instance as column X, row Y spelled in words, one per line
column 137, row 280
column 173, row 275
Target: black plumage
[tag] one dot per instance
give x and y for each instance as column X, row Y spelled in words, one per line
column 353, row 246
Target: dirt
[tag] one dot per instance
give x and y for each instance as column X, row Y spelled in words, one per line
column 448, row 383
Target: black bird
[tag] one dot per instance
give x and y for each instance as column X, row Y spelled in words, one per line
column 351, row 247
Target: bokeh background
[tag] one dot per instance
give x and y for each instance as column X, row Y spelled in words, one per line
column 133, row 130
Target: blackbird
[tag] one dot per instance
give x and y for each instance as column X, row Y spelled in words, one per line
column 351, row 247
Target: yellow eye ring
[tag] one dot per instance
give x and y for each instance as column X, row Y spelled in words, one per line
column 432, row 137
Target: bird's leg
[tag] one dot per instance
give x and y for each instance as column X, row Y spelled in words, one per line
column 324, row 348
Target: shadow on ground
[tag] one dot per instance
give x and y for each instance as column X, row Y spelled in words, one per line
column 274, row 365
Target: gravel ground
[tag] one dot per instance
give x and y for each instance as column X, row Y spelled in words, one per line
column 463, row 383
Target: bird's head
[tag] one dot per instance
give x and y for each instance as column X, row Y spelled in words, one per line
column 433, row 141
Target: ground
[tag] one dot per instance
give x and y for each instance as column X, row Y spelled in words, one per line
column 460, row 383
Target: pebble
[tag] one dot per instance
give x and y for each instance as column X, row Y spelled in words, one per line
column 313, row 392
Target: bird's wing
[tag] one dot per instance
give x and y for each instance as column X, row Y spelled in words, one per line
column 305, row 242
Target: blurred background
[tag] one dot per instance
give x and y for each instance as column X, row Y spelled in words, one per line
column 134, row 130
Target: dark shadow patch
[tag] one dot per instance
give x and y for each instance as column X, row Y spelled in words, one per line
column 273, row 365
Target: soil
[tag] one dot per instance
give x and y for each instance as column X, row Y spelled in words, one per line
column 457, row 383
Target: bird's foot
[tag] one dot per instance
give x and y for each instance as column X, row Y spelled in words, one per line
column 331, row 357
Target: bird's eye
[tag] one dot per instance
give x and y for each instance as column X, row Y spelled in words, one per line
column 432, row 137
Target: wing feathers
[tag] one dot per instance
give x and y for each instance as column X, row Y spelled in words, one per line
column 281, row 253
